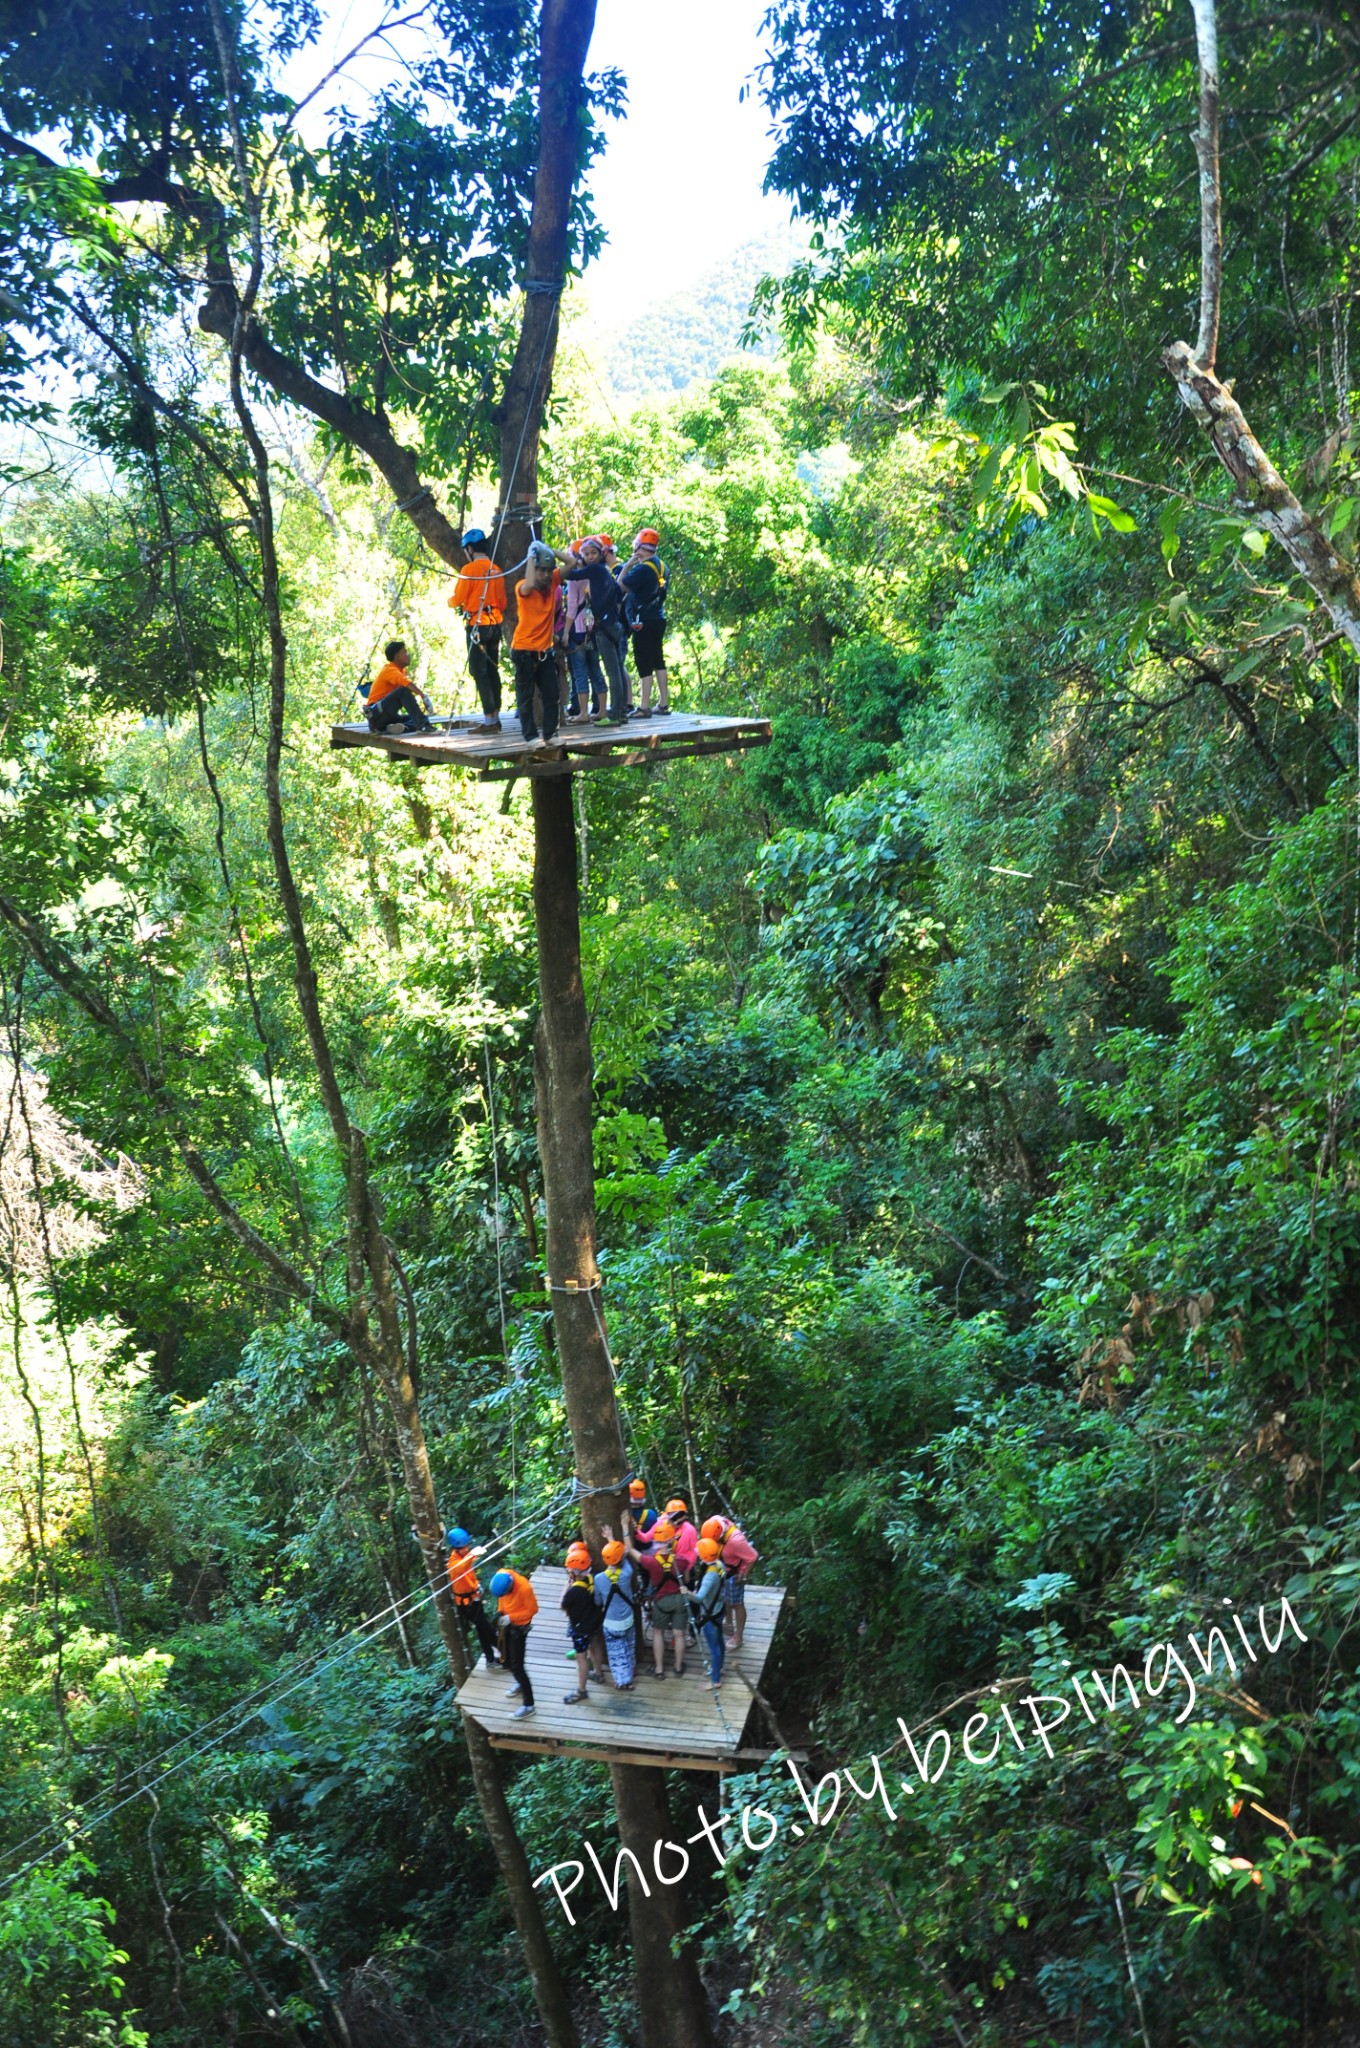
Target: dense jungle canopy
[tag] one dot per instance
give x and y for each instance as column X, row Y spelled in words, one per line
column 975, row 1067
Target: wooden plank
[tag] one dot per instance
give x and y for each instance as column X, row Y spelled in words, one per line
column 576, row 765
column 457, row 744
column 676, row 1717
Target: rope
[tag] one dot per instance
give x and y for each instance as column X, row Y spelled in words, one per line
column 366, row 1633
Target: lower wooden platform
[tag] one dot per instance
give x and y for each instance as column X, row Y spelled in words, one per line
column 500, row 756
column 676, row 1723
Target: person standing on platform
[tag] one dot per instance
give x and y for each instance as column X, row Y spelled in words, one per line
column 707, row 1605
column 467, row 1591
column 517, row 1603
column 637, row 1515
column 616, row 1597
column 643, row 583
column 599, row 651
column 392, row 695
column 670, row 1609
column 737, row 1559
column 686, row 1535
column 583, row 1621
column 533, row 648
column 479, row 594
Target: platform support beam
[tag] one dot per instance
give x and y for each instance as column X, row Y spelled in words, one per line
column 672, row 2004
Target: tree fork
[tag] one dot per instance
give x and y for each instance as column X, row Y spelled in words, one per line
column 672, row 2004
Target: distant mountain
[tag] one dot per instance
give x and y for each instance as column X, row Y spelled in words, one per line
column 691, row 335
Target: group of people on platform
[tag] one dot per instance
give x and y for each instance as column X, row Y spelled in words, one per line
column 664, row 1576
column 578, row 612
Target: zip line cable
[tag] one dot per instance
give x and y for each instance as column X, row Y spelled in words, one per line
column 266, row 1696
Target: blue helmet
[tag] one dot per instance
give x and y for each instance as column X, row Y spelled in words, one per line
column 474, row 533
column 458, row 1539
column 502, row 1583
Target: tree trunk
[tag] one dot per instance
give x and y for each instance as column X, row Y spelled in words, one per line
column 549, row 1991
column 1260, row 488
column 564, row 31
column 671, row 2002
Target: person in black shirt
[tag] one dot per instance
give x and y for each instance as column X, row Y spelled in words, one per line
column 643, row 583
column 583, row 1621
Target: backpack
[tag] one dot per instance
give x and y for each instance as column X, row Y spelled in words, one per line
column 613, row 1574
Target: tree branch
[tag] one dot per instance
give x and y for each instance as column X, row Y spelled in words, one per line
column 1262, row 491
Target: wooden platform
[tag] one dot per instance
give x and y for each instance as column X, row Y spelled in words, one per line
column 503, row 755
column 677, row 1724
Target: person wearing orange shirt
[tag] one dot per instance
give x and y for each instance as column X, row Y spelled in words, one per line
column 479, row 594
column 392, row 695
column 533, row 649
column 467, row 1590
column 517, row 1604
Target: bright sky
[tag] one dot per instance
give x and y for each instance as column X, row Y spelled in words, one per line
column 679, row 186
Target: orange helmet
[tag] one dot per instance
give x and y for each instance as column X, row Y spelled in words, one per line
column 637, row 1489
column 577, row 1558
column 708, row 1549
column 661, row 1533
column 713, row 1528
column 613, row 1553
column 677, row 1507
column 606, row 541
column 648, row 538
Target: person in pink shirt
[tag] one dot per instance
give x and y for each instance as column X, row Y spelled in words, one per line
column 670, row 1608
column 737, row 1558
column 686, row 1535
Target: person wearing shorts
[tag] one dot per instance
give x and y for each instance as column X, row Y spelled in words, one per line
column 670, row 1609
column 643, row 583
column 737, row 1558
column 583, row 1622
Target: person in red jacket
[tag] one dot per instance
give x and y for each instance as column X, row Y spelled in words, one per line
column 517, row 1604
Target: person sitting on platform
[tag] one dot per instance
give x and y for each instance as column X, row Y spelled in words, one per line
column 616, row 1596
column 517, row 1604
column 670, row 1609
column 737, row 1558
column 467, row 1591
column 707, row 1604
column 643, row 583
column 533, row 648
column 479, row 594
column 583, row 1622
column 392, row 695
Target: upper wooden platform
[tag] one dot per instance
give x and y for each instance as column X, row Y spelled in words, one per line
column 676, row 1723
column 502, row 755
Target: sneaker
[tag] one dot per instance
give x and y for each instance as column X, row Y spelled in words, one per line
column 530, row 739
column 521, row 1713
column 491, row 1663
column 621, row 719
column 511, row 1690
column 424, row 726
column 487, row 725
